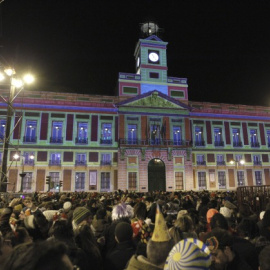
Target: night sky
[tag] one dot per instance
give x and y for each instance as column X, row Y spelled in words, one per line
column 222, row 47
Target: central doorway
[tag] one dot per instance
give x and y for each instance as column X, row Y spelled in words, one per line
column 156, row 175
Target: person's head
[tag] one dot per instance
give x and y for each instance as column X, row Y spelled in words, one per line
column 140, row 210
column 184, row 223
column 19, row 236
column 121, row 211
column 219, row 221
column 220, row 243
column 266, row 219
column 148, row 202
column 248, row 229
column 210, row 213
column 62, row 230
column 41, row 255
column 123, row 232
column 264, row 258
column 189, row 253
column 81, row 216
column 101, row 213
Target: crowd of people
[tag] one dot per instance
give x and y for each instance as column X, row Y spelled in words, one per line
column 133, row 231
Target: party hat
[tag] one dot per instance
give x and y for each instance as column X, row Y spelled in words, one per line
column 161, row 232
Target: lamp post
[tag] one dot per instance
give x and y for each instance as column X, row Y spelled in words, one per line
column 13, row 83
column 237, row 162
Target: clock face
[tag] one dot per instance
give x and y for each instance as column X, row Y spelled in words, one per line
column 153, row 57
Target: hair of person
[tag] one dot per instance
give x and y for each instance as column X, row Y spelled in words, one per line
column 62, row 229
column 101, row 213
column 224, row 237
column 248, row 228
column 18, row 237
column 266, row 219
column 40, row 255
column 149, row 199
column 264, row 258
column 185, row 223
column 219, row 221
column 157, row 252
column 140, row 210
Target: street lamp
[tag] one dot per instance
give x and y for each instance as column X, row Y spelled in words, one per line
column 237, row 162
column 22, row 174
column 14, row 83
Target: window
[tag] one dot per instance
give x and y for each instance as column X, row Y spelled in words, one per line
column 238, row 158
column 132, row 180
column 79, row 181
column 153, row 75
column 27, row 182
column 179, row 181
column 240, row 178
column 258, row 178
column 82, row 133
column 30, row 131
column 132, row 134
column 199, row 136
column 80, row 159
column 106, row 133
column 177, row 135
column 29, row 158
column 268, row 136
column 220, row 160
column 222, row 180
column 254, row 138
column 57, row 129
column 218, row 137
column 55, row 178
column 55, row 159
column 202, row 180
column 155, row 134
column 106, row 159
column 1, row 156
column 105, row 181
column 200, row 160
column 236, row 137
column 257, row 160
column 3, row 123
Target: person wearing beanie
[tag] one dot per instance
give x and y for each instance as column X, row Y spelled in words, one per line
column 81, row 216
column 118, row 258
column 157, row 248
column 189, row 253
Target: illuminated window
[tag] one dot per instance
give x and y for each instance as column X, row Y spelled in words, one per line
column 79, row 181
column 106, row 159
column 55, row 159
column 236, row 137
column 199, row 141
column 240, row 178
column 105, row 181
column 106, row 133
column 27, row 181
column 57, row 129
column 258, row 178
column 132, row 180
column 218, row 137
column 220, row 160
column 202, row 180
column 155, row 134
column 221, row 180
column 254, row 138
column 3, row 123
column 200, row 160
column 132, row 134
column 30, row 131
column 177, row 135
column 55, row 178
column 82, row 133
column 80, row 159
column 179, row 181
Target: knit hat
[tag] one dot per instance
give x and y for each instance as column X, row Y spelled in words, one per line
column 80, row 214
column 67, row 206
column 190, row 254
column 210, row 213
column 123, row 232
column 161, row 232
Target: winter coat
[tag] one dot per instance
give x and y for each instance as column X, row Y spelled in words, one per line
column 141, row 263
column 119, row 257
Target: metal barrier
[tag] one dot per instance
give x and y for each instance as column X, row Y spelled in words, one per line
column 256, row 196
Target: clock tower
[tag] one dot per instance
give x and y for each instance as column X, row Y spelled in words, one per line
column 151, row 60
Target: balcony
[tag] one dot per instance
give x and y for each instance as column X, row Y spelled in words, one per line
column 56, row 140
column 200, row 143
column 255, row 144
column 155, row 142
column 105, row 163
column 105, row 141
column 257, row 162
column 219, row 143
column 81, row 140
column 201, row 163
column 80, row 162
column 237, row 144
column 54, row 162
column 221, row 163
column 29, row 139
column 29, row 162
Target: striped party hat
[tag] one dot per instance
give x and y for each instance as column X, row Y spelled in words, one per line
column 190, row 254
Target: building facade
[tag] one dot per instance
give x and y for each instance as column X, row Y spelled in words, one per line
column 148, row 137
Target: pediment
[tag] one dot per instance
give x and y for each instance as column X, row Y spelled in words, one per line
column 153, row 37
column 154, row 99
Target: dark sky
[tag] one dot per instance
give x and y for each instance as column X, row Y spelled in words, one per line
column 221, row 46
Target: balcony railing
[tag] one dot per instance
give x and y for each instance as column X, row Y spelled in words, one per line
column 81, row 140
column 29, row 139
column 202, row 162
column 199, row 143
column 219, row 143
column 237, row 144
column 105, row 141
column 154, row 142
column 257, row 162
column 54, row 162
column 56, row 140
column 105, row 163
column 80, row 162
column 221, row 163
column 29, row 162
column 255, row 144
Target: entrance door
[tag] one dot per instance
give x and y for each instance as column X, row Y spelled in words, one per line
column 156, row 175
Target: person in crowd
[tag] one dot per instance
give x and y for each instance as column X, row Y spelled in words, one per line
column 189, row 253
column 120, row 255
column 99, row 223
column 18, row 236
column 139, row 219
column 151, row 208
column 81, row 216
column 264, row 258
